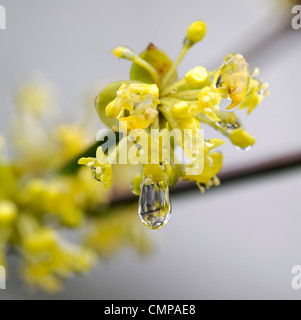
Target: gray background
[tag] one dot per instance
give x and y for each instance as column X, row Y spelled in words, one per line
column 237, row 241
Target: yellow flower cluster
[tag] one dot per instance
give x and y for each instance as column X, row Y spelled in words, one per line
column 43, row 191
column 47, row 257
column 154, row 98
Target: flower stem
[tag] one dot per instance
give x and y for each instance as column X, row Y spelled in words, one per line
column 165, row 110
column 169, row 101
column 174, row 67
column 211, row 123
column 173, row 87
column 188, row 95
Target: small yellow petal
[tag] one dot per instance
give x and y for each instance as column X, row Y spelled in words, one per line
column 196, row 76
column 181, row 110
column 100, row 156
column 123, row 52
column 85, row 161
column 214, row 143
column 242, row 139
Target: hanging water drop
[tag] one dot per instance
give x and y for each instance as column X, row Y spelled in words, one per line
column 244, row 149
column 154, row 204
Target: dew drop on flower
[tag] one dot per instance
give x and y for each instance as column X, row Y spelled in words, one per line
column 244, row 149
column 262, row 92
column 154, row 204
column 94, row 174
column 233, row 126
column 228, row 125
column 217, row 84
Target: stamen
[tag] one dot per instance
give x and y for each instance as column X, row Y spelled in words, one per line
column 174, row 67
column 173, row 88
column 165, row 110
column 125, row 53
column 188, row 95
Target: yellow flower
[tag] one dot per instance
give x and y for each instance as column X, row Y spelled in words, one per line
column 208, row 104
column 101, row 168
column 136, row 104
column 209, row 173
column 151, row 148
column 154, row 172
column 155, row 99
column 48, row 259
column 257, row 92
column 72, row 139
column 233, row 78
column 35, row 98
column 44, row 240
column 182, row 104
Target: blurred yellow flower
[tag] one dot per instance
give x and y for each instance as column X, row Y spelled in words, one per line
column 145, row 99
column 35, row 98
column 39, row 194
column 8, row 213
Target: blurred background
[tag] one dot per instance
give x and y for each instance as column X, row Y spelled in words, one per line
column 238, row 241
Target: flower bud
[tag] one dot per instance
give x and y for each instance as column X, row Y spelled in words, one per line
column 196, row 31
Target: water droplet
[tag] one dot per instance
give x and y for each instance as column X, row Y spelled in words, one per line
column 154, row 204
column 233, row 126
column 217, row 84
column 263, row 91
column 220, row 124
column 174, row 91
column 94, row 174
column 229, row 125
column 244, row 149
